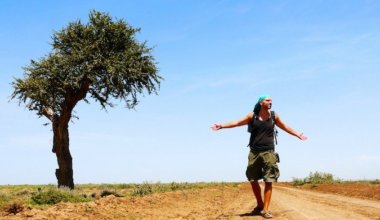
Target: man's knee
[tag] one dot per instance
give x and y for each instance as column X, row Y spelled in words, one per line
column 268, row 184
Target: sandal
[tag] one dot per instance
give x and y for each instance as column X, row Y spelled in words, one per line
column 257, row 211
column 266, row 214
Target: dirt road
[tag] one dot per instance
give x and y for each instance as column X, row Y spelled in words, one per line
column 224, row 202
column 289, row 203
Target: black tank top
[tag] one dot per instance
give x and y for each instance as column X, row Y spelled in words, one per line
column 262, row 135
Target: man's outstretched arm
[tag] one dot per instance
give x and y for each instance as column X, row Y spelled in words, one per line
column 288, row 129
column 233, row 124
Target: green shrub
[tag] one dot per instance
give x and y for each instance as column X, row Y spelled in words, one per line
column 55, row 195
column 142, row 189
column 319, row 177
column 316, row 178
column 298, row 181
column 175, row 186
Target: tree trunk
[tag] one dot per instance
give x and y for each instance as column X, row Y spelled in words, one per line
column 64, row 173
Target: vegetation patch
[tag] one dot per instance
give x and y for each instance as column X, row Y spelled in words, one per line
column 16, row 198
column 53, row 196
column 326, row 182
column 3, row 198
column 142, row 190
column 316, row 178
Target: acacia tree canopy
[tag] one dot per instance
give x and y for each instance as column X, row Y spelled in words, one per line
column 101, row 60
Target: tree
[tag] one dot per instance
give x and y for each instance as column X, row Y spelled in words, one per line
column 101, row 60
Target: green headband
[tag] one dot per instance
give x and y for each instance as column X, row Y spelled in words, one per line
column 261, row 98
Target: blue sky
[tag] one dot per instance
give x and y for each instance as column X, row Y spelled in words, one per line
column 319, row 60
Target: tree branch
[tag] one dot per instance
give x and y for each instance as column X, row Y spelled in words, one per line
column 48, row 112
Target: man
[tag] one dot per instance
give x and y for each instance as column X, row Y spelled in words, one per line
column 262, row 162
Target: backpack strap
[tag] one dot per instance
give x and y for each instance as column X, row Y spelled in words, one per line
column 275, row 132
column 273, row 117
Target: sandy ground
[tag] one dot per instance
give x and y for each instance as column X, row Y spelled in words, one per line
column 224, row 202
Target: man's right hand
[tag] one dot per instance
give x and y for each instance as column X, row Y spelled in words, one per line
column 216, row 127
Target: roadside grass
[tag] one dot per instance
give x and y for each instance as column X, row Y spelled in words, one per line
column 327, row 183
column 14, row 198
column 315, row 178
column 376, row 181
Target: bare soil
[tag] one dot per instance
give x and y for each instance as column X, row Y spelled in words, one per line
column 360, row 190
column 335, row 201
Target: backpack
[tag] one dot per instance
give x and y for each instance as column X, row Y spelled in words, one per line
column 275, row 132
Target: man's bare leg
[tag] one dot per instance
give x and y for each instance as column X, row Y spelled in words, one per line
column 257, row 192
column 267, row 195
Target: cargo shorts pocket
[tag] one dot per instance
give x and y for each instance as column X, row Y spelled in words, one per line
column 270, row 169
column 271, row 173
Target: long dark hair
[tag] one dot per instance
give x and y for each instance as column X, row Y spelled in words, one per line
column 256, row 109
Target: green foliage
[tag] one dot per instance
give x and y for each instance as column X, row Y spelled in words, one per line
column 15, row 198
column 149, row 188
column 102, row 58
column 175, row 186
column 55, row 195
column 142, row 189
column 298, row 181
column 3, row 198
column 316, row 178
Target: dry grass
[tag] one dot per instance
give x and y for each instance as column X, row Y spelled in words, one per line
column 14, row 198
column 145, row 201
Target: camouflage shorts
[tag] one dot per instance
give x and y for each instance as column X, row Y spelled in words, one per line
column 262, row 165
